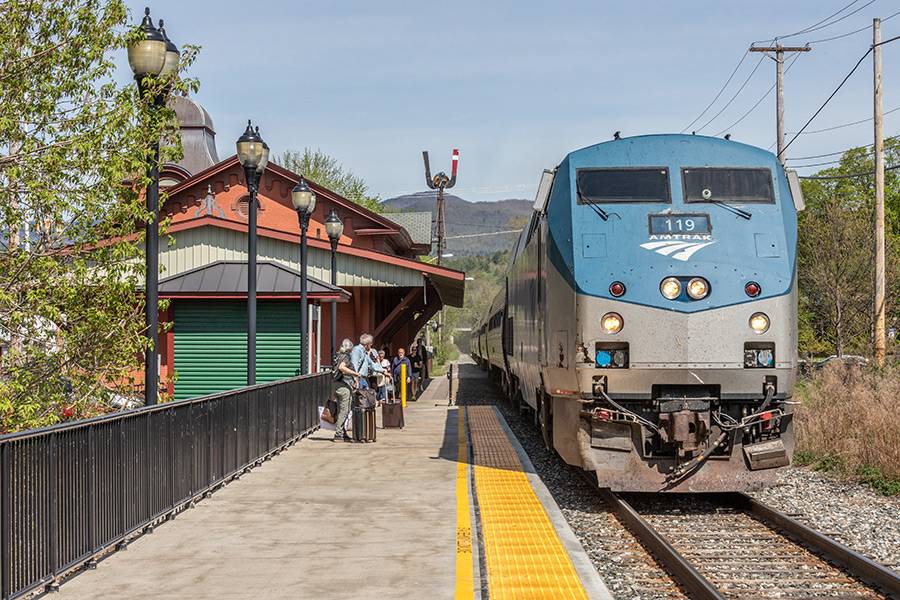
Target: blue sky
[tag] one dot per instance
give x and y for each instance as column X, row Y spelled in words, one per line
column 515, row 85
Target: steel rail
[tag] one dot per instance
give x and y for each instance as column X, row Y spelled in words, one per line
column 695, row 584
column 865, row 569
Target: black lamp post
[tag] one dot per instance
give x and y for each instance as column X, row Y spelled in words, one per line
column 151, row 56
column 253, row 153
column 304, row 201
column 334, row 227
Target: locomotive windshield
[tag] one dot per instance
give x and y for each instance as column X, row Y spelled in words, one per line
column 728, row 185
column 623, row 185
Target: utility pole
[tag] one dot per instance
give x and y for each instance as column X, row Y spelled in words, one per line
column 879, row 196
column 779, row 51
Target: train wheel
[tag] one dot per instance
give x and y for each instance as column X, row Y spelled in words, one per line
column 545, row 420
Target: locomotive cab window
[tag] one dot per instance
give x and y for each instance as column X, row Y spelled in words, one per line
column 649, row 184
column 736, row 186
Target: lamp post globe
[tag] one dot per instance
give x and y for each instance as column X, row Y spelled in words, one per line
column 334, row 227
column 303, row 198
column 147, row 55
column 251, row 149
column 261, row 167
column 172, row 53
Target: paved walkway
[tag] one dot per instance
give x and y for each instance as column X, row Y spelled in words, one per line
column 389, row 520
column 321, row 520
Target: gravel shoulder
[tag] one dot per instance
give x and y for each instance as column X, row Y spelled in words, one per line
column 849, row 512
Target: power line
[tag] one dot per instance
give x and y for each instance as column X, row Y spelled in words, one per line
column 818, row 164
column 821, row 24
column 866, row 174
column 758, row 102
column 829, row 153
column 824, row 104
column 475, row 235
column 736, row 94
column 855, row 31
column 842, row 125
column 815, row 26
column 836, row 90
column 719, row 93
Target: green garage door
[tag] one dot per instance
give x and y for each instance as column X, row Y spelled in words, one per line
column 211, row 344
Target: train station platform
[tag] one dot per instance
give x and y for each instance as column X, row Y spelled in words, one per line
column 448, row 507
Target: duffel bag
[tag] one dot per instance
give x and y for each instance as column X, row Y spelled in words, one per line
column 366, row 398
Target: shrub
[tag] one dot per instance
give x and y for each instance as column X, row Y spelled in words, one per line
column 847, row 422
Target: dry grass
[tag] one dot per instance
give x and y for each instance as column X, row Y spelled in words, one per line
column 849, row 422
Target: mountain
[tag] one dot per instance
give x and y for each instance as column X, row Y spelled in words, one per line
column 467, row 218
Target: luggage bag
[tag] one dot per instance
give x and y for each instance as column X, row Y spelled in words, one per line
column 392, row 415
column 363, row 424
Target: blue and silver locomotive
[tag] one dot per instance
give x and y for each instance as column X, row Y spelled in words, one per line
column 648, row 317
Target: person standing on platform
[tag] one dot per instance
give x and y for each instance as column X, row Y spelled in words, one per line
column 361, row 361
column 399, row 360
column 416, row 369
column 346, row 379
column 422, row 353
column 386, row 367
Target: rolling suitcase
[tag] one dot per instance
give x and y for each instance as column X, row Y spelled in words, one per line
column 363, row 424
column 392, row 415
column 370, row 427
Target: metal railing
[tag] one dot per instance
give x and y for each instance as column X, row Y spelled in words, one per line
column 74, row 490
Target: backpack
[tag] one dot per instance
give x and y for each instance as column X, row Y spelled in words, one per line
column 339, row 358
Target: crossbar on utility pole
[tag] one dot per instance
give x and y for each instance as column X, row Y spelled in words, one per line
column 779, row 51
column 880, row 341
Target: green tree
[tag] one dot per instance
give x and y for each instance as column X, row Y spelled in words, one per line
column 836, row 254
column 74, row 146
column 326, row 171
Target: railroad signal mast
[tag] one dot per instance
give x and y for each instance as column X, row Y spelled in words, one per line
column 440, row 182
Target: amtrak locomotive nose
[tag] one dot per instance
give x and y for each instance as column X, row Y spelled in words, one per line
column 649, row 313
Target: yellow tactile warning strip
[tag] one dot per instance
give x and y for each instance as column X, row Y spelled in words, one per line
column 464, row 583
column 524, row 556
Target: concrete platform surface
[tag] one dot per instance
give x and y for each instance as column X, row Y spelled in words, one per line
column 321, row 520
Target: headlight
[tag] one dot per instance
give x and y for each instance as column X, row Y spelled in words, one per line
column 611, row 322
column 670, row 288
column 698, row 288
column 759, row 322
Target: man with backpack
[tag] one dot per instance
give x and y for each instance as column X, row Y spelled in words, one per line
column 346, row 380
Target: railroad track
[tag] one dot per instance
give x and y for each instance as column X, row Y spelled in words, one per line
column 732, row 546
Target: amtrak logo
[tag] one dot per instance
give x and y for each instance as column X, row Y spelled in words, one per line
column 679, row 247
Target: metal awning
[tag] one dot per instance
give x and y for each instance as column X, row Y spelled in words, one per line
column 452, row 291
column 228, row 279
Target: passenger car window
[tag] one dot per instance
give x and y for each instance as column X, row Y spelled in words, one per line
column 650, row 184
column 728, row 185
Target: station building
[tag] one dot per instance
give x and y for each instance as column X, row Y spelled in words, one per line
column 382, row 286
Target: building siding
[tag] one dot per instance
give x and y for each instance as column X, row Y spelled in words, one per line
column 194, row 248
